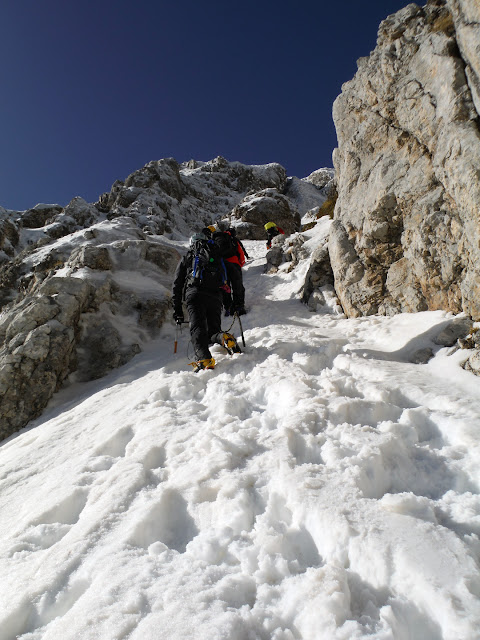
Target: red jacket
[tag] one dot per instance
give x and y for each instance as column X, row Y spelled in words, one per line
column 239, row 258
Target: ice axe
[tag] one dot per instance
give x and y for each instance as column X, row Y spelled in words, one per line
column 178, row 327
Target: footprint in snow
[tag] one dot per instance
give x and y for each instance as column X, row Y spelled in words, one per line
column 52, row 525
column 168, row 522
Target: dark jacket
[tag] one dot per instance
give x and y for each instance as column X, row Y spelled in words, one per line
column 230, row 247
column 182, row 284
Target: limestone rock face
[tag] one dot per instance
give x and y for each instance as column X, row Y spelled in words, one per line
column 465, row 14
column 256, row 209
column 71, row 322
column 406, row 234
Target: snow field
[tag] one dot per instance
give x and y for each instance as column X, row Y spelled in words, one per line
column 317, row 486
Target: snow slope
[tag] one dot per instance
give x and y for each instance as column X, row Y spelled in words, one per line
column 317, row 486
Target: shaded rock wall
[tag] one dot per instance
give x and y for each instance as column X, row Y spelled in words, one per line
column 406, row 232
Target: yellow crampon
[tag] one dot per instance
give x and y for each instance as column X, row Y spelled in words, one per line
column 230, row 344
column 208, row 363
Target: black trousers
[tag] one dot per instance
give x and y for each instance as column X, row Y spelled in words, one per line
column 235, row 279
column 205, row 314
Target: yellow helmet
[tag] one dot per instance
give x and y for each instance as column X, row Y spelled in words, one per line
column 212, row 228
column 269, row 225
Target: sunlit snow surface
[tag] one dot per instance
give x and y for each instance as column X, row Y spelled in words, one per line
column 317, row 486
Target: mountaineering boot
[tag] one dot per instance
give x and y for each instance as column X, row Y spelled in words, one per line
column 208, row 363
column 230, row 344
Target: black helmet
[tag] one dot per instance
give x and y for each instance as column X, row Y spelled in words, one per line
column 197, row 236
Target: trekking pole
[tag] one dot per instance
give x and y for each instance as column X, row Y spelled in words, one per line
column 241, row 329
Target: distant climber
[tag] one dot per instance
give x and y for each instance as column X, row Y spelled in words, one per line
column 199, row 281
column 272, row 230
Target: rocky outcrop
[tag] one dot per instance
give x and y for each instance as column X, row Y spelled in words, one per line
column 320, row 178
column 256, row 209
column 8, row 239
column 40, row 215
column 107, row 294
column 311, row 192
column 285, row 250
column 406, row 234
column 38, row 344
column 326, row 209
column 165, row 196
column 319, row 275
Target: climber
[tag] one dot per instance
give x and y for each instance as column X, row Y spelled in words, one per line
column 208, row 231
column 199, row 281
column 234, row 254
column 272, row 230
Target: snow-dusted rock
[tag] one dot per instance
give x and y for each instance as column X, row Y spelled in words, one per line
column 36, row 352
column 457, row 329
column 8, row 237
column 321, row 177
column 274, row 256
column 319, row 273
column 78, row 214
column 327, row 208
column 286, row 249
column 90, row 303
column 306, row 195
column 39, row 215
column 256, row 209
column 165, row 196
column 407, row 220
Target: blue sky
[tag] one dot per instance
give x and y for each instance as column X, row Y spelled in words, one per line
column 93, row 90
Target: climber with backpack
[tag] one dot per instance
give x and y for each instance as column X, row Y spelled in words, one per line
column 234, row 255
column 272, row 230
column 199, row 281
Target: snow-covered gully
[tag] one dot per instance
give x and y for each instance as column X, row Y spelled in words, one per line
column 317, row 486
